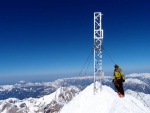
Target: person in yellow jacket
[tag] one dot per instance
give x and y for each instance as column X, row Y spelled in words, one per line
column 118, row 80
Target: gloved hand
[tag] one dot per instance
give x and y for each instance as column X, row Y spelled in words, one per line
column 123, row 80
column 113, row 80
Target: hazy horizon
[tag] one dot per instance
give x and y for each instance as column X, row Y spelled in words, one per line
column 46, row 40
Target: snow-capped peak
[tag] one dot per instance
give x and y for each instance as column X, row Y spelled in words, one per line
column 105, row 101
column 136, row 81
column 48, row 103
column 142, row 75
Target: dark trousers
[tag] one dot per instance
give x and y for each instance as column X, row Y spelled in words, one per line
column 119, row 86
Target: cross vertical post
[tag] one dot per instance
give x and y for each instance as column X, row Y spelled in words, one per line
column 98, row 39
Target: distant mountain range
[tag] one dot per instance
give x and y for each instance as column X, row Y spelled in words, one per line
column 71, row 99
column 51, row 103
column 136, row 82
column 52, row 97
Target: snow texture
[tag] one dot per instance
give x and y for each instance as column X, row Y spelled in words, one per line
column 105, row 101
column 51, row 103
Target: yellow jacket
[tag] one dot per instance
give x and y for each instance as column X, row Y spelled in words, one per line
column 118, row 74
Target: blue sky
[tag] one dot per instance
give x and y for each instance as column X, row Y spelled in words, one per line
column 48, row 39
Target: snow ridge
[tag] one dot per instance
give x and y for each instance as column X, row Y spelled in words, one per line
column 106, row 101
column 47, row 104
column 71, row 100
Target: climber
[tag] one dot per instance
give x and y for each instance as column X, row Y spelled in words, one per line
column 118, row 80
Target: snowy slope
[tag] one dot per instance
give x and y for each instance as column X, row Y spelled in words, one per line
column 48, row 103
column 145, row 98
column 106, row 101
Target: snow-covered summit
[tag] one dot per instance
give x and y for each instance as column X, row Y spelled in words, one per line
column 69, row 100
column 106, row 101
